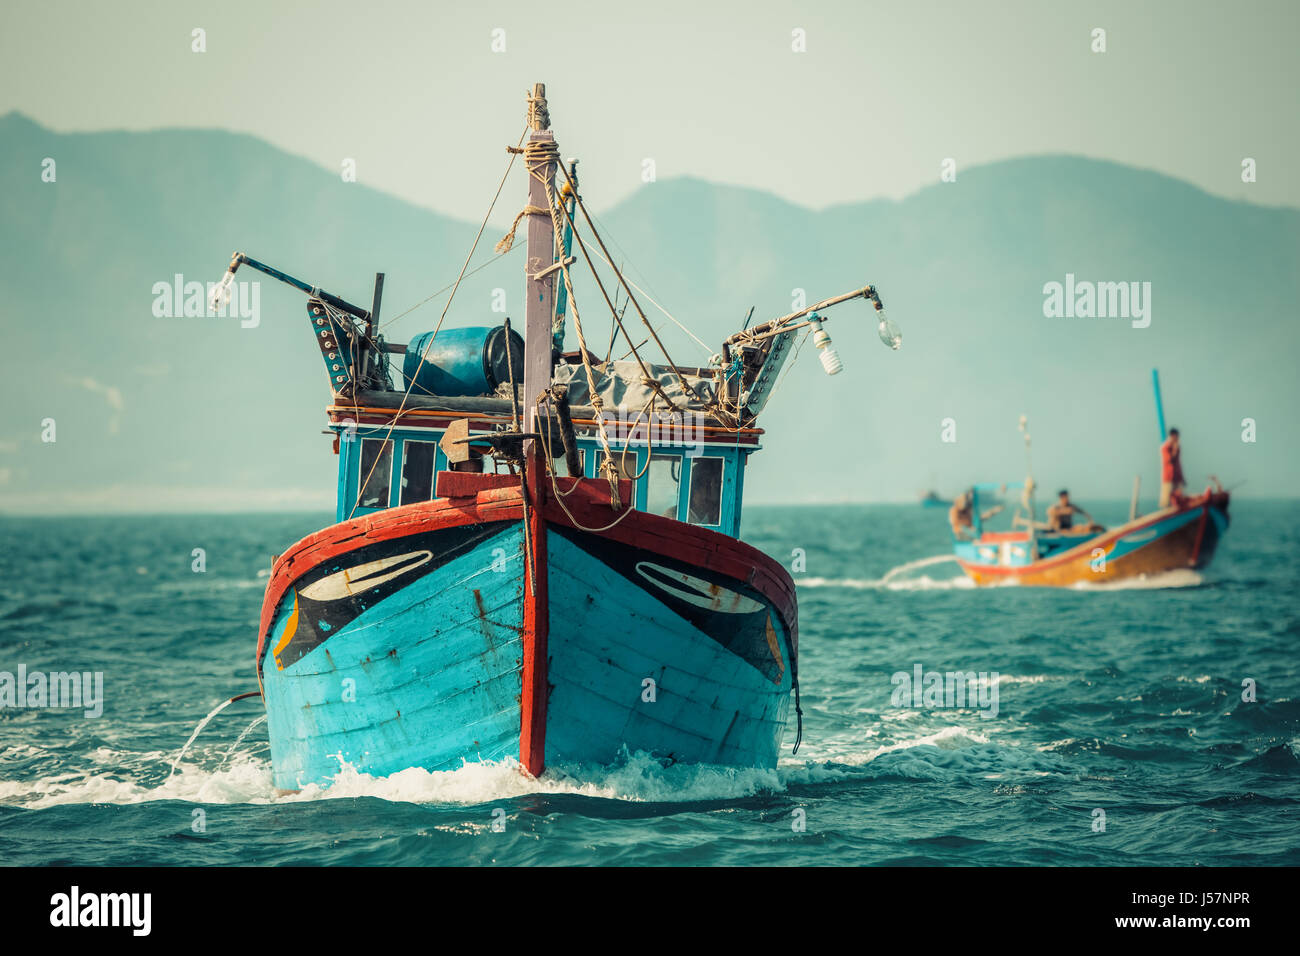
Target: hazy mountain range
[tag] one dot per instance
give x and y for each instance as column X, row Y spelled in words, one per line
column 161, row 413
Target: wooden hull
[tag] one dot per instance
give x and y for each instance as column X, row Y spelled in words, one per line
column 420, row 636
column 1172, row 539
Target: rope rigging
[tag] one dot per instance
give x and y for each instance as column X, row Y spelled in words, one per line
column 649, row 298
column 406, row 394
column 582, row 207
column 542, row 159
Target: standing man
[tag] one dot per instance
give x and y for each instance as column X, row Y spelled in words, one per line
column 1171, row 470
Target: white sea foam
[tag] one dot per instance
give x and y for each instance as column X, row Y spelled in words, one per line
column 637, row 778
column 18, row 751
column 247, row 779
column 922, row 583
column 947, row 738
column 1178, row 578
column 1026, row 678
column 893, row 580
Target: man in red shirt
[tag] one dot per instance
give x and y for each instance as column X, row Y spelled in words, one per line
column 1171, row 470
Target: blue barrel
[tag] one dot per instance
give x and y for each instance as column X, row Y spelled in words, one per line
column 463, row 361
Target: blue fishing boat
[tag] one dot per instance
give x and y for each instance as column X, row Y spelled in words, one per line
column 535, row 553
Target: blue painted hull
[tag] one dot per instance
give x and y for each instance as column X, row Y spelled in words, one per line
column 609, row 636
column 426, row 677
column 643, row 655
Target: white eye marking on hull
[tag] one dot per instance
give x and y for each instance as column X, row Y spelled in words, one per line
column 692, row 590
column 352, row 581
column 1140, row 537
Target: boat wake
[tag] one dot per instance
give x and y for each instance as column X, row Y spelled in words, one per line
column 247, row 779
column 1178, row 578
column 922, row 583
column 893, row 579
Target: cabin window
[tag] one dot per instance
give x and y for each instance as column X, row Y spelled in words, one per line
column 706, row 491
column 560, row 466
column 665, row 481
column 418, row 458
column 491, row 466
column 376, row 472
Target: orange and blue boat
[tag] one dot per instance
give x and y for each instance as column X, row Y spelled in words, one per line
column 1180, row 537
column 535, row 554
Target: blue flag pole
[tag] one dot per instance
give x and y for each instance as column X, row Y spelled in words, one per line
column 1160, row 408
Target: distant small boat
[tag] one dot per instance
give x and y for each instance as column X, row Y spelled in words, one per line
column 1179, row 537
column 931, row 499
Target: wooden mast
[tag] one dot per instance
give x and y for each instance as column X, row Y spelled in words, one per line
column 540, row 154
column 539, row 293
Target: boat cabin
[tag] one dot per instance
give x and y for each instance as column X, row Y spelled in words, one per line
column 687, row 466
column 1024, row 542
column 685, row 473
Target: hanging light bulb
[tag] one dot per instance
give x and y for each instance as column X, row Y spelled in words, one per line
column 220, row 296
column 830, row 358
column 889, row 333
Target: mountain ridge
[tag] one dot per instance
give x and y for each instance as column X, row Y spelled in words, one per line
column 961, row 266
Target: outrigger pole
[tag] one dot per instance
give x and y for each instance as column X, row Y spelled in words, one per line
column 342, row 305
column 357, row 350
column 786, row 322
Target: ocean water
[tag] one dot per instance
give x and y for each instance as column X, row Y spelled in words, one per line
column 1121, row 707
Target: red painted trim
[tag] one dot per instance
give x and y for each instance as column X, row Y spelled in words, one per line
column 315, row 549
column 1087, row 544
column 467, row 484
column 1200, row 535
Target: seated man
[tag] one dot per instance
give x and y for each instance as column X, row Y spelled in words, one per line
column 961, row 515
column 1060, row 516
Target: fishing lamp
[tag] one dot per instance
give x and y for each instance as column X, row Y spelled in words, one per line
column 889, row 333
column 220, row 295
column 830, row 358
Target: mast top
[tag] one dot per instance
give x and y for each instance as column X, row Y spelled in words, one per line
column 538, row 117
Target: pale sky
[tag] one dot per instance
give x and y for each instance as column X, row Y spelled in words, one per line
column 414, row 93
